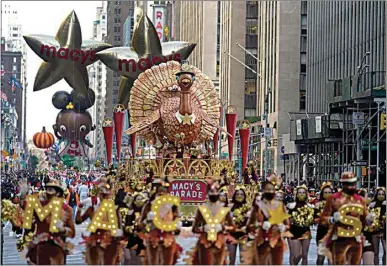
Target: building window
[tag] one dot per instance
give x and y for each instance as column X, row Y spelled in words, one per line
column 118, row 3
column 117, row 29
column 14, row 35
column 303, row 21
column 117, row 38
column 303, row 44
column 117, row 11
column 250, row 112
column 302, row 101
column 304, row 7
column 303, row 58
column 303, row 82
column 14, row 59
column 303, row 68
column 103, row 17
column 117, row 20
column 14, row 28
column 14, row 68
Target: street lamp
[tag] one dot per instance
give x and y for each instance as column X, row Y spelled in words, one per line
column 266, row 132
column 221, row 126
column 360, row 71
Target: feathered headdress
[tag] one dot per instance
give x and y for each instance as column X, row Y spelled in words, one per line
column 240, row 187
column 326, row 184
column 300, row 187
column 275, row 180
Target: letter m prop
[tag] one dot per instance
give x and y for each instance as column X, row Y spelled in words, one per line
column 33, row 205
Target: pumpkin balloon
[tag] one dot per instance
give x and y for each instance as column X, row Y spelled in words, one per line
column 43, row 140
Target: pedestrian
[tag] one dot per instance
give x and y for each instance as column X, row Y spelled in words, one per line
column 83, row 191
column 73, row 201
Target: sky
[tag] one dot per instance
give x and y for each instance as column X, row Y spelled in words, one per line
column 45, row 17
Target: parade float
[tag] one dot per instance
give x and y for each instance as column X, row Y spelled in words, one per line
column 174, row 108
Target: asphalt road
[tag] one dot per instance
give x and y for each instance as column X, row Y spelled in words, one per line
column 12, row 257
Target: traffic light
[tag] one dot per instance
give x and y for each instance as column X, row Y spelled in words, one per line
column 383, row 122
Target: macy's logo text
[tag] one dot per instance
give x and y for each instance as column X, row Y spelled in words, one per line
column 66, row 53
column 145, row 63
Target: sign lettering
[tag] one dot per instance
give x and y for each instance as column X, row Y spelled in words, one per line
column 189, row 190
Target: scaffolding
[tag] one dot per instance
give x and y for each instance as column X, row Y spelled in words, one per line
column 327, row 143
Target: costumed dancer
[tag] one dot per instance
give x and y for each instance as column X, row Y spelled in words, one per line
column 223, row 195
column 368, row 251
column 301, row 218
column 342, row 248
column 135, row 244
column 268, row 221
column 47, row 248
column 279, row 195
column 377, row 228
column 102, row 248
column 239, row 211
column 326, row 191
column 161, row 246
column 211, row 221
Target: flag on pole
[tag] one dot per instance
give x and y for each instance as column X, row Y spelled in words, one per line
column 4, row 96
column 14, row 84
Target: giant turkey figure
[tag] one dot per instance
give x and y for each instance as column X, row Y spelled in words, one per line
column 173, row 103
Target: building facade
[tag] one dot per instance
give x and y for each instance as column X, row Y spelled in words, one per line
column 14, row 66
column 13, row 86
column 117, row 13
column 345, row 79
column 280, row 25
column 198, row 23
column 340, row 34
column 97, row 82
column 232, row 73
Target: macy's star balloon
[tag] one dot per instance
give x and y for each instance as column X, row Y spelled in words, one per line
column 145, row 51
column 65, row 55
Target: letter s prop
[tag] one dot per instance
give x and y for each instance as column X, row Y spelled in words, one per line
column 105, row 218
column 350, row 220
column 33, row 205
column 167, row 226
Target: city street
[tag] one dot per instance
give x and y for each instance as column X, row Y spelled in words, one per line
column 12, row 256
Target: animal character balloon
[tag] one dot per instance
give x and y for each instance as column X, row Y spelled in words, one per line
column 73, row 123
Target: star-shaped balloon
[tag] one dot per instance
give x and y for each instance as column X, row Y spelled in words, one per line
column 145, row 51
column 65, row 55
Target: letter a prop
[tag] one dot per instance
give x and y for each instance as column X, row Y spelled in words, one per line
column 105, row 218
column 33, row 205
column 212, row 221
column 157, row 208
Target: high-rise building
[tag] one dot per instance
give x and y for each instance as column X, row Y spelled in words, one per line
column 97, row 82
column 280, row 30
column 13, row 87
column 198, row 23
column 232, row 72
column 117, row 12
column 340, row 34
column 11, row 29
column 14, row 66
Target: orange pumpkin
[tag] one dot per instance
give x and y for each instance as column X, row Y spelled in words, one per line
column 43, row 140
